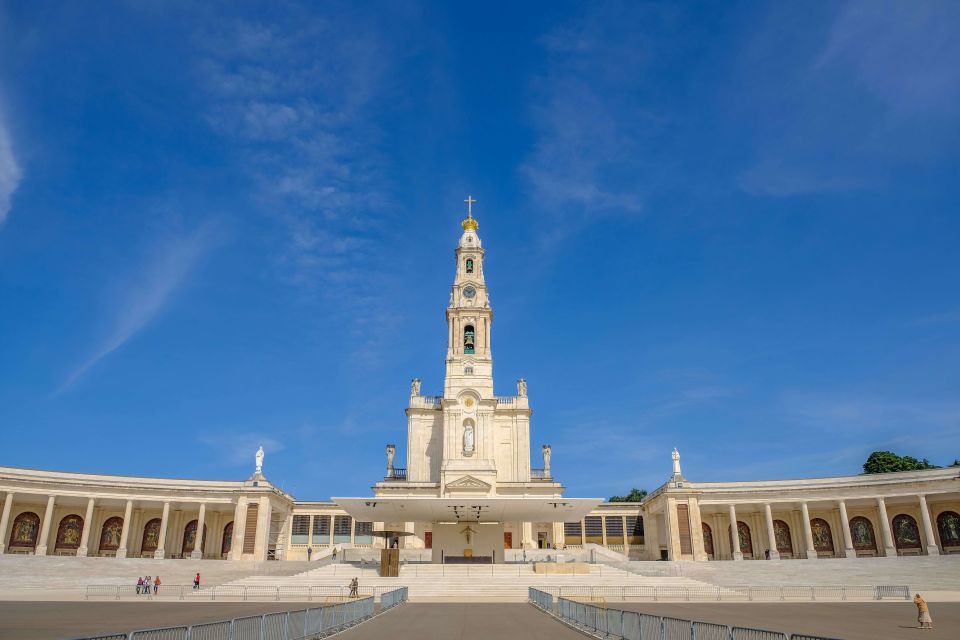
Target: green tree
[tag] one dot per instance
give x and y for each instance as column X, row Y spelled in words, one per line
column 887, row 461
column 956, row 463
column 635, row 495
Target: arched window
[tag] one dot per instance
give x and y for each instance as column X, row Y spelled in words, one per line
column 151, row 536
column 746, row 541
column 190, row 537
column 227, row 543
column 468, row 339
column 469, row 265
column 69, row 532
column 906, row 535
column 110, row 534
column 861, row 532
column 707, row 539
column 781, row 533
column 822, row 536
column 948, row 524
column 26, row 527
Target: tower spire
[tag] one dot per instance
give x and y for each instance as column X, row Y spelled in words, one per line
column 470, row 224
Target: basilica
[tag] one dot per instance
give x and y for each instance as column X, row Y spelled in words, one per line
column 469, row 493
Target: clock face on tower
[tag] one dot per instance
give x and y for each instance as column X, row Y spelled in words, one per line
column 469, row 292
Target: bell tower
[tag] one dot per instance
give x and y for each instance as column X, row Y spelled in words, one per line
column 469, row 316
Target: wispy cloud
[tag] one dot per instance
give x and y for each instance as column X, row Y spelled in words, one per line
column 299, row 101
column 10, row 172
column 946, row 317
column 146, row 297
column 591, row 129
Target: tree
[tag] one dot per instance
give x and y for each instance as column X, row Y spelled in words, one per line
column 887, row 461
column 956, row 463
column 635, row 495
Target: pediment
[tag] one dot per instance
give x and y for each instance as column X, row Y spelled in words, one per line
column 468, row 483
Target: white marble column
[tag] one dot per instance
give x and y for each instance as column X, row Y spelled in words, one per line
column 735, row 552
column 526, row 536
column 848, row 549
column 932, row 549
column 125, row 529
column 197, row 552
column 239, row 528
column 162, row 538
column 85, row 536
column 5, row 520
column 771, row 535
column 889, row 550
column 261, row 542
column 807, row 532
column 45, row 527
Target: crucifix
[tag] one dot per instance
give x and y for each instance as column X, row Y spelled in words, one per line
column 469, row 202
column 468, row 533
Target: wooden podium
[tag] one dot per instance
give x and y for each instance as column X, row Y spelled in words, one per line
column 390, row 563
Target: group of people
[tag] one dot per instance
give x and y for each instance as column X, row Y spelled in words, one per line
column 146, row 583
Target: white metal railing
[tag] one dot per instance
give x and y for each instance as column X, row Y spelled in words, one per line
column 433, row 401
column 506, row 399
column 603, row 622
column 232, row 592
column 284, row 625
column 743, row 593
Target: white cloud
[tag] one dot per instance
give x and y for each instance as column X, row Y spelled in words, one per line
column 10, row 172
column 146, row 297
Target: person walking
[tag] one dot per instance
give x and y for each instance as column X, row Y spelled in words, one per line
column 354, row 585
column 334, row 554
column 156, row 585
column 196, row 581
column 147, row 582
column 139, row 584
column 309, row 553
column 923, row 612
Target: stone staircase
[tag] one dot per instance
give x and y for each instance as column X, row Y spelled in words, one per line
column 938, row 573
column 465, row 583
column 19, row 573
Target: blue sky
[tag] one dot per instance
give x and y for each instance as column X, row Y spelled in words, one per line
column 726, row 227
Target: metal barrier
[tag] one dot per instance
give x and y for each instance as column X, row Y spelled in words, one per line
column 630, row 625
column 730, row 593
column 391, row 599
column 298, row 593
column 285, row 625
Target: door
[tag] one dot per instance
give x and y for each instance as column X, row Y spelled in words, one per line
column 508, row 540
column 428, row 539
column 542, row 540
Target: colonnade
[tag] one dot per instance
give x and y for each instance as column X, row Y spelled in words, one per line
column 24, row 530
column 818, row 529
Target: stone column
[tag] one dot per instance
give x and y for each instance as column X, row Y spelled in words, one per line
column 262, row 542
column 696, row 530
column 932, row 549
column 771, row 535
column 526, row 535
column 239, row 528
column 125, row 530
column 197, row 552
column 735, row 552
column 85, row 536
column 5, row 521
column 807, row 532
column 626, row 536
column 848, row 549
column 889, row 550
column 41, row 549
column 672, row 523
column 162, row 539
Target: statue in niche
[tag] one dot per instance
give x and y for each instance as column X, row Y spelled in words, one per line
column 415, row 387
column 259, row 460
column 391, row 450
column 468, row 438
column 547, row 452
column 522, row 388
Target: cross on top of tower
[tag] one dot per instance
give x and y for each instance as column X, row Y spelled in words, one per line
column 470, row 224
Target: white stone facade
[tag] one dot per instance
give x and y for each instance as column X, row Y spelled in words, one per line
column 470, row 443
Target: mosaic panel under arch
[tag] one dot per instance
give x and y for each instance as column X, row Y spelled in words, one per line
column 25, row 530
column 822, row 536
column 781, row 532
column 227, row 543
column 746, row 540
column 948, row 525
column 906, row 534
column 861, row 532
column 151, row 536
column 190, row 536
column 110, row 534
column 69, row 532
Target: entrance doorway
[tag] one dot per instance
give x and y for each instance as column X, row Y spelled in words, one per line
column 508, row 540
column 542, row 540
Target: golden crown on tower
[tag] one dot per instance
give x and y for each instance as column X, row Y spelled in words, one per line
column 470, row 224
